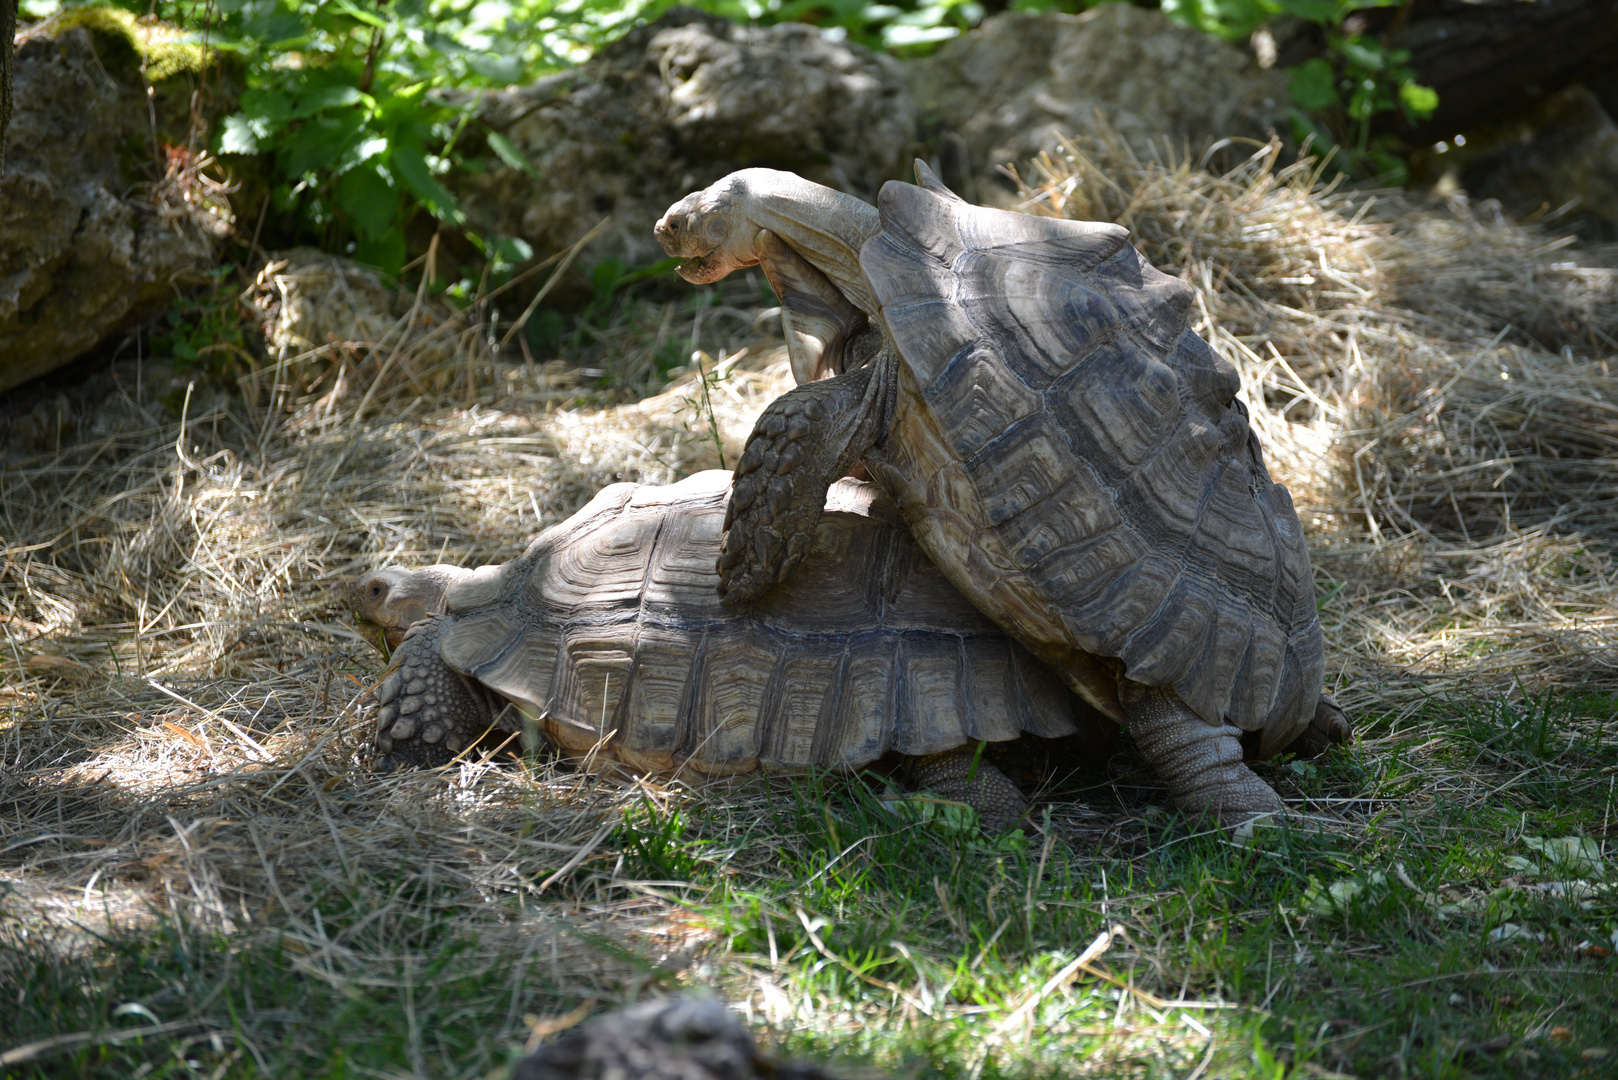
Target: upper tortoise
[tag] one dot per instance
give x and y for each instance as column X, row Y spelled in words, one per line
column 608, row 633
column 1063, row 445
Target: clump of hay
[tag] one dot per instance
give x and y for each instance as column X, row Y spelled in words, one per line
column 1434, row 383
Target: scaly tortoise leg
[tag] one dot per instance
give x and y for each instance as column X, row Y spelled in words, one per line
column 1329, row 727
column 1000, row 804
column 806, row 440
column 428, row 712
column 1200, row 762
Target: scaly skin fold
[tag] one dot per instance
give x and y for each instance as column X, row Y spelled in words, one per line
column 1201, row 763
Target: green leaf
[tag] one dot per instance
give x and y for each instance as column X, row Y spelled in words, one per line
column 241, row 134
column 329, row 97
column 320, row 143
column 1419, row 101
column 371, row 203
column 507, row 152
column 271, row 106
column 1364, row 53
column 1314, row 85
column 356, row 13
column 1315, row 11
column 386, row 253
column 409, row 165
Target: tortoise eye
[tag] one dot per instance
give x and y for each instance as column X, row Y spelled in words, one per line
column 376, row 590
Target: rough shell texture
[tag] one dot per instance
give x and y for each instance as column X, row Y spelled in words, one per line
column 1083, row 462
column 608, row 631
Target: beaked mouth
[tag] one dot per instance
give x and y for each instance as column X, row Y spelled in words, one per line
column 699, row 269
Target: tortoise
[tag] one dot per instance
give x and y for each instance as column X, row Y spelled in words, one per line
column 608, row 633
column 1063, row 445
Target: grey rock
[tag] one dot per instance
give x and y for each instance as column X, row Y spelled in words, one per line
column 83, row 252
column 1562, row 156
column 1004, row 92
column 672, row 106
column 662, row 1039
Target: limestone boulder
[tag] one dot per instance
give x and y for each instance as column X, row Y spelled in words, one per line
column 669, row 108
column 86, row 249
column 1007, row 90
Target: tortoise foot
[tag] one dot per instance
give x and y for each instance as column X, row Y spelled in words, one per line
column 963, row 775
column 427, row 712
column 803, row 442
column 1201, row 763
column 1329, row 727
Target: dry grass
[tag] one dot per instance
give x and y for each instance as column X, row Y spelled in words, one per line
column 182, row 712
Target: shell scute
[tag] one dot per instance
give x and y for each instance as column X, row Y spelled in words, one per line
column 593, row 681
column 599, row 569
column 1077, row 575
column 1162, row 649
column 735, row 672
column 1041, row 322
column 804, row 699
column 861, row 729
column 934, row 329
column 1023, row 466
column 976, row 398
column 1210, row 381
column 929, row 713
column 1109, row 619
column 991, row 686
column 1117, row 408
column 658, row 694
column 1153, row 305
column 941, row 226
column 1077, row 513
column 1258, row 675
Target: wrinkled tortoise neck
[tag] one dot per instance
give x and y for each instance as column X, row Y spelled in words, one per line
column 825, row 226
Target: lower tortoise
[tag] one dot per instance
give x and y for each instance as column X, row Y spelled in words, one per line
column 608, row 633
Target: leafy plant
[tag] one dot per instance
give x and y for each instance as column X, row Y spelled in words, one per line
column 1358, row 79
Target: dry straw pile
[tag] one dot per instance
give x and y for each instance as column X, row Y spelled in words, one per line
column 181, row 711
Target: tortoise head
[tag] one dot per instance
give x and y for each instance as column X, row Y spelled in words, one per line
column 393, row 599
column 711, row 230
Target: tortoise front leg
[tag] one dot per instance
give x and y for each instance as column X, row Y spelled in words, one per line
column 963, row 775
column 429, row 712
column 1200, row 762
column 806, row 440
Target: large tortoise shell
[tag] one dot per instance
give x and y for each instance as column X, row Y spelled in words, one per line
column 609, row 632
column 1109, row 460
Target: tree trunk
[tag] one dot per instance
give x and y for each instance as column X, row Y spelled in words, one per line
column 1489, row 59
